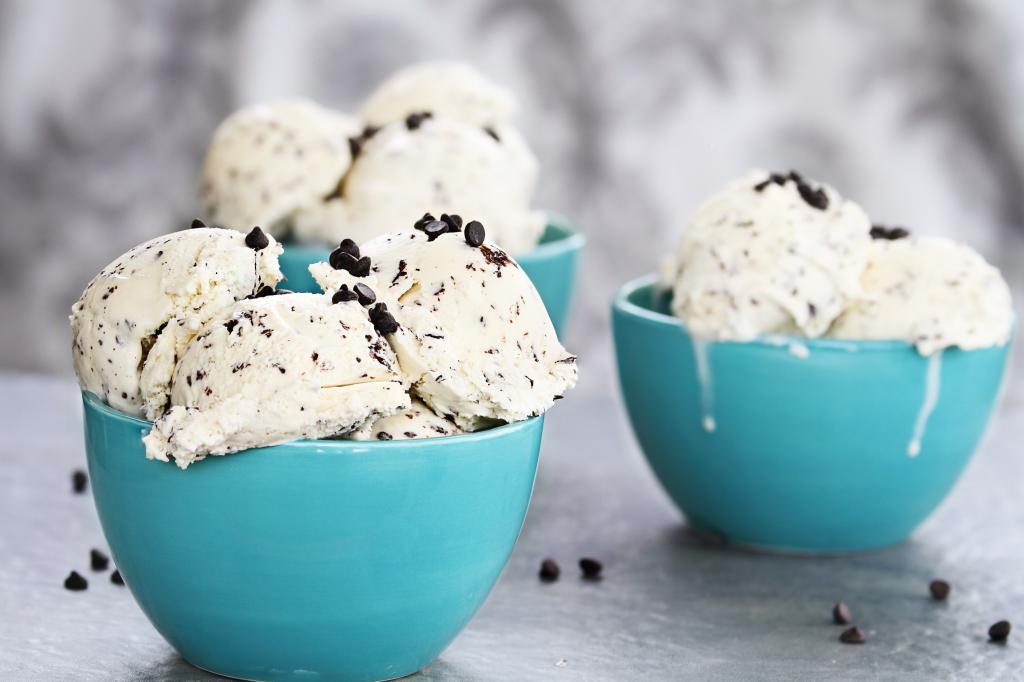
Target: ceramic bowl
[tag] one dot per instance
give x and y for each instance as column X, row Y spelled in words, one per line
column 338, row 560
column 799, row 444
column 551, row 267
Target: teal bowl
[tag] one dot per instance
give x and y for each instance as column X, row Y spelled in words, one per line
column 332, row 560
column 551, row 267
column 799, row 444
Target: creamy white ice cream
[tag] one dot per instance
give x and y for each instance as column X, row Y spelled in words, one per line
column 769, row 254
column 135, row 317
column 473, row 336
column 278, row 368
column 931, row 292
column 269, row 160
column 416, row 421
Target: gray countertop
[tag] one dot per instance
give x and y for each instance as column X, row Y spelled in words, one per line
column 669, row 606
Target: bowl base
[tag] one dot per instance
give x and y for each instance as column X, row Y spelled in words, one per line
column 304, row 675
column 714, row 538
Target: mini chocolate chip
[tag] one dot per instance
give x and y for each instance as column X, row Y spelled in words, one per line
column 493, row 133
column 591, row 568
column 422, row 222
column 361, row 268
column 98, row 561
column 777, row 178
column 365, row 294
column 256, row 239
column 343, row 295
column 434, row 229
column 415, row 120
column 549, row 570
column 354, row 146
column 349, row 246
column 369, row 131
column 384, row 435
column 475, row 233
column 75, row 582
column 198, row 223
column 841, row 614
column 999, row 631
column 116, row 578
column 795, row 177
column 816, row 198
column 453, row 221
column 940, row 589
column 79, row 481
column 264, row 291
column 853, row 635
column 230, row 325
column 891, row 233
column 341, row 259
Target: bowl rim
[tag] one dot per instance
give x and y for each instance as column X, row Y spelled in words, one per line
column 93, row 402
column 623, row 305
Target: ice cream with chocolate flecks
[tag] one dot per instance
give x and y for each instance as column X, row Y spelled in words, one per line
column 276, row 369
column 415, row 421
column 772, row 253
column 267, row 161
column 471, row 333
column 137, row 315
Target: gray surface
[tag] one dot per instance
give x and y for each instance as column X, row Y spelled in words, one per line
column 668, row 608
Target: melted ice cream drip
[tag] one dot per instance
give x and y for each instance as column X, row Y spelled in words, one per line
column 707, row 397
column 932, row 381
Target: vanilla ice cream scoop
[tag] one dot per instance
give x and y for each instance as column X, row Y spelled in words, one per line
column 136, row 316
column 433, row 164
column 471, row 333
column 770, row 254
column 269, row 160
column 278, row 368
column 416, row 421
column 931, row 292
column 446, row 88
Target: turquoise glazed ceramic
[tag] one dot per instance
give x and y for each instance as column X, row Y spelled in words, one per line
column 798, row 444
column 551, row 267
column 313, row 560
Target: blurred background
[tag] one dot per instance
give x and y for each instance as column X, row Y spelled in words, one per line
column 636, row 111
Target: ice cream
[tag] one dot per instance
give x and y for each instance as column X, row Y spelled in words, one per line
column 416, row 421
column 931, row 292
column 136, row 316
column 447, row 88
column 278, row 368
column 471, row 333
column 435, row 164
column 267, row 161
column 769, row 254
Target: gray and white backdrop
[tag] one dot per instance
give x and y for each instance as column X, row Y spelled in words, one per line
column 636, row 110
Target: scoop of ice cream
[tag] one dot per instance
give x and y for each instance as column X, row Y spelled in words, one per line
column 931, row 292
column 440, row 165
column 445, row 88
column 769, row 254
column 135, row 317
column 279, row 368
column 472, row 335
column 269, row 160
column 416, row 421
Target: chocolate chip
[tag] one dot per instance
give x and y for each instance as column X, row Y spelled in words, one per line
column 841, row 614
column 264, row 291
column 341, row 259
column 776, row 178
column 490, row 131
column 230, row 325
column 940, row 589
column 361, row 268
column 384, row 435
column 591, row 568
column 256, row 239
column 549, row 570
column 98, row 561
column 349, row 246
column 999, row 631
column 890, row 233
column 75, row 582
column 475, row 233
column 853, row 635
column 383, row 321
column 116, row 578
column 79, row 481
column 354, row 146
column 816, row 198
column 795, row 177
column 343, row 295
column 365, row 294
column 434, row 229
column 454, row 222
column 369, row 131
column 415, row 120
column 422, row 222
column 198, row 223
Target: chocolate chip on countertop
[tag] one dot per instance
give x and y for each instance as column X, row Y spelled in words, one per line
column 98, row 561
column 841, row 614
column 198, row 223
column 256, row 239
column 999, row 631
column 475, row 233
column 415, row 120
column 549, row 570
column 383, row 321
column 940, row 589
column 853, row 635
column 453, row 221
column 421, row 223
column 343, row 295
column 434, row 229
column 116, row 578
column 890, row 233
column 365, row 294
column 591, row 568
column 75, row 582
column 361, row 268
column 349, row 246
column 79, row 481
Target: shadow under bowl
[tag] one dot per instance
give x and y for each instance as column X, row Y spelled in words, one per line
column 551, row 267
column 808, row 445
column 313, row 559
